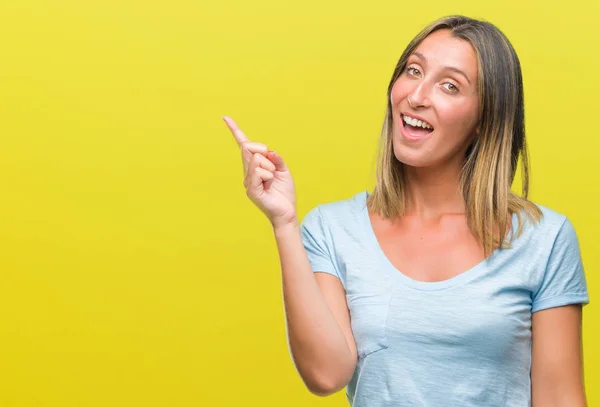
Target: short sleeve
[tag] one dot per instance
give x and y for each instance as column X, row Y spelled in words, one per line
column 315, row 240
column 564, row 279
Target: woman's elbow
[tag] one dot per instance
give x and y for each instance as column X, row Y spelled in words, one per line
column 324, row 388
column 324, row 385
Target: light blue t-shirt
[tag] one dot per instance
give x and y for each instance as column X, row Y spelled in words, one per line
column 465, row 341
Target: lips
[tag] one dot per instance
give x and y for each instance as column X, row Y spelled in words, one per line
column 412, row 133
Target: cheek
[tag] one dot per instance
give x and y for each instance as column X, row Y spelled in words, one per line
column 457, row 118
column 399, row 90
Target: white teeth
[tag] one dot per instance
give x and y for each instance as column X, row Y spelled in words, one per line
column 416, row 123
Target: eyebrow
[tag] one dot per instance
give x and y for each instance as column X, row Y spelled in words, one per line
column 448, row 68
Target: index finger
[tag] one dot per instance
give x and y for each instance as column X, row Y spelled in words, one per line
column 239, row 135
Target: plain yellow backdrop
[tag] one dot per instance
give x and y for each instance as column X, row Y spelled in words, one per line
column 133, row 269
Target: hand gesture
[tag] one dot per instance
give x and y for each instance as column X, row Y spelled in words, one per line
column 267, row 179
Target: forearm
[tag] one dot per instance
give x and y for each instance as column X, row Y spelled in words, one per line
column 562, row 389
column 559, row 399
column 317, row 343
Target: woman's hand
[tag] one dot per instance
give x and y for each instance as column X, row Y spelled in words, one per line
column 267, row 179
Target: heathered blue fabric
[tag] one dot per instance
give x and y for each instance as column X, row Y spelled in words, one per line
column 465, row 341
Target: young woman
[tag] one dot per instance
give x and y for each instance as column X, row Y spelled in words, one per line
column 442, row 287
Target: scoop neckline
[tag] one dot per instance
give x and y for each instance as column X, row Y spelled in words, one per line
column 397, row 274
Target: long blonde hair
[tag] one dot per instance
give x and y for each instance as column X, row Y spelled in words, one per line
column 490, row 162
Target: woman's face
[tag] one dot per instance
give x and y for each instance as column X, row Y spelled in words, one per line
column 439, row 87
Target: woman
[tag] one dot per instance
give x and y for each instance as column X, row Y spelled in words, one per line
column 442, row 288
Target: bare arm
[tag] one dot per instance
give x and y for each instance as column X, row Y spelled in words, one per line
column 317, row 318
column 557, row 367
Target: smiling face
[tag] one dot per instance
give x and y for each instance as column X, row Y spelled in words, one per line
column 438, row 87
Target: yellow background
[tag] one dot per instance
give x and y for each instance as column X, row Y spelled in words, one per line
column 133, row 269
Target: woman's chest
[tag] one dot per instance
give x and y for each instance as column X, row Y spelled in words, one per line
column 429, row 254
column 460, row 323
column 473, row 319
column 486, row 310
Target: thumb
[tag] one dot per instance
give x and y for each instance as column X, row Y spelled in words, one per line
column 278, row 161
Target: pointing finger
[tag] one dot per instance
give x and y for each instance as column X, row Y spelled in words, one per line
column 238, row 134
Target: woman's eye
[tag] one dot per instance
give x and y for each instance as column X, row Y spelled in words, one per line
column 450, row 87
column 413, row 71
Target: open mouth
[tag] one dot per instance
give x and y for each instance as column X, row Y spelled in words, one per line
column 415, row 128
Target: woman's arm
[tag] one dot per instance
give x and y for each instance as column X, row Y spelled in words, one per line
column 317, row 318
column 557, row 358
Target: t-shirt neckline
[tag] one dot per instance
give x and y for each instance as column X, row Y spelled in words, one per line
column 459, row 279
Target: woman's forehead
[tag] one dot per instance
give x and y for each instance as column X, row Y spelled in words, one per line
column 442, row 49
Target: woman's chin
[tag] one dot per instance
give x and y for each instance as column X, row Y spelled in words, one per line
column 417, row 159
column 414, row 163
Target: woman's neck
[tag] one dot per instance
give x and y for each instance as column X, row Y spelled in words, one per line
column 432, row 193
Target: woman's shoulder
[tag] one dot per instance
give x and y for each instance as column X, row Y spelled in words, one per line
column 550, row 218
column 546, row 227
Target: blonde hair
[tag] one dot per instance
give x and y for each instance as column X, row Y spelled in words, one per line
column 490, row 162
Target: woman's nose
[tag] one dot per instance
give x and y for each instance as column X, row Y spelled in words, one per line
column 418, row 97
